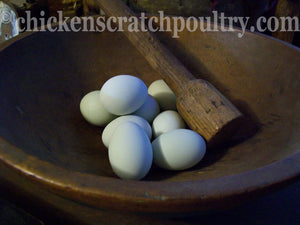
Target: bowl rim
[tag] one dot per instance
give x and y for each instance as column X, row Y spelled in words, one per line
column 150, row 196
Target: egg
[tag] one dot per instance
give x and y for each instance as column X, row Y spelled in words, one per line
column 163, row 95
column 149, row 110
column 167, row 121
column 93, row 111
column 123, row 94
column 130, row 152
column 111, row 127
column 178, row 149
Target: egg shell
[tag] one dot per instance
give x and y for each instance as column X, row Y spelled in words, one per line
column 163, row 95
column 111, row 127
column 93, row 111
column 130, row 152
column 123, row 94
column 167, row 121
column 178, row 149
column 149, row 110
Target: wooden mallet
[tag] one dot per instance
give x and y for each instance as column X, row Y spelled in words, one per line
column 201, row 105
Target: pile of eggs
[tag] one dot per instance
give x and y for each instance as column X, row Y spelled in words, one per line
column 133, row 116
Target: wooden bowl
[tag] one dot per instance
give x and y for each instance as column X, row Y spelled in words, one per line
column 44, row 138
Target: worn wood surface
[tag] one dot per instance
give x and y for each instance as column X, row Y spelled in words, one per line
column 44, row 76
column 169, row 7
column 201, row 105
column 173, row 7
column 52, row 209
column 286, row 8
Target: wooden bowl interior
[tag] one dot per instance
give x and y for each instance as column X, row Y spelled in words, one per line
column 44, row 76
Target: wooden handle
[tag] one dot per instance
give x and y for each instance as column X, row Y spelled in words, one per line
column 204, row 108
column 158, row 56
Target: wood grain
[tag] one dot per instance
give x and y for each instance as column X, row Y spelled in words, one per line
column 212, row 115
column 46, row 145
column 286, row 8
